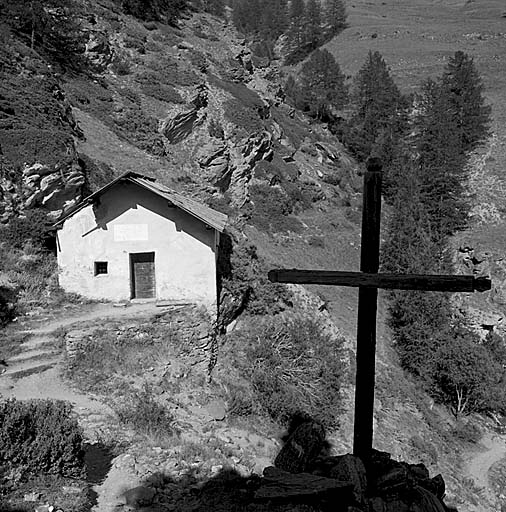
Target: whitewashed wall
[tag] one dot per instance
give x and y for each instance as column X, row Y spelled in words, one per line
column 130, row 219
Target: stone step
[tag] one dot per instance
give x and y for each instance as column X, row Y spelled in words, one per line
column 19, row 374
column 31, row 354
column 27, row 365
column 37, row 342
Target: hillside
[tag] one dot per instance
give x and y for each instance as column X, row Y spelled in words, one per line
column 193, row 107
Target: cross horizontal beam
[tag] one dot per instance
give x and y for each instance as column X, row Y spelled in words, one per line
column 436, row 283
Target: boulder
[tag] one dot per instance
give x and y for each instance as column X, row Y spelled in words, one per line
column 98, row 50
column 301, row 448
column 180, row 126
column 138, row 496
column 216, row 409
column 351, row 469
column 425, row 501
column 282, row 485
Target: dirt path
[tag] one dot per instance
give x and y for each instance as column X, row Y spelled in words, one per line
column 479, row 464
column 35, row 371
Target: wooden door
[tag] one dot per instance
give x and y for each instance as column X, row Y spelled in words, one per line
column 142, row 269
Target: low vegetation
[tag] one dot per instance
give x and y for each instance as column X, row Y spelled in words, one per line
column 289, row 366
column 146, row 416
column 40, row 437
column 111, row 357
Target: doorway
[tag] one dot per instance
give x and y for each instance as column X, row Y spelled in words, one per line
column 142, row 275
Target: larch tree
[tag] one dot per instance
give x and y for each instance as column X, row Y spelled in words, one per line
column 379, row 119
column 335, row 13
column 322, row 86
column 296, row 17
column 312, row 24
column 463, row 84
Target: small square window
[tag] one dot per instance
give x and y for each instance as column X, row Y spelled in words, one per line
column 100, row 267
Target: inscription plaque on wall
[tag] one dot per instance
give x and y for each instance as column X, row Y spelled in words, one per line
column 130, row 232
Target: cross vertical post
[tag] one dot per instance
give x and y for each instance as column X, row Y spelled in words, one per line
column 367, row 306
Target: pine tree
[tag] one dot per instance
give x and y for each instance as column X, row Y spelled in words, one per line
column 464, row 86
column 274, row 20
column 245, row 15
column 335, row 13
column 216, row 7
column 442, row 162
column 50, row 27
column 296, row 19
column 312, row 24
column 379, row 120
column 322, row 86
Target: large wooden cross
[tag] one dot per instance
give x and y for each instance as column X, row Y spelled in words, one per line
column 368, row 280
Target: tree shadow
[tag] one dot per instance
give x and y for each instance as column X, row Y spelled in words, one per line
column 229, row 491
column 98, row 461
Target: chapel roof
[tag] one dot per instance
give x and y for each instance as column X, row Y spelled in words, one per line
column 213, row 218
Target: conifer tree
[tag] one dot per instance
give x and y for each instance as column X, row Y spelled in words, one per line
column 464, row 86
column 245, row 15
column 50, row 27
column 322, row 86
column 296, row 19
column 274, row 20
column 379, row 120
column 335, row 13
column 442, row 161
column 312, row 24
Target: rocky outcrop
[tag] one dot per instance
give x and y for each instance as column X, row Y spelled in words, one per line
column 230, row 166
column 98, row 50
column 484, row 313
column 379, row 484
column 180, row 126
column 54, row 188
column 243, row 159
column 214, row 160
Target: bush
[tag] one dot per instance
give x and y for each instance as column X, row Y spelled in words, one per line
column 293, row 366
column 467, row 431
column 145, row 415
column 215, row 129
column 7, row 309
column 34, row 227
column 31, row 271
column 162, row 92
column 120, row 66
column 271, row 209
column 244, row 283
column 41, row 436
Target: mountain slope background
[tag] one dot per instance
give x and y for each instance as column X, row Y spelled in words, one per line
column 193, row 107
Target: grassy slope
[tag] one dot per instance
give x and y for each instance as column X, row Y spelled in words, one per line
column 406, row 426
column 416, row 38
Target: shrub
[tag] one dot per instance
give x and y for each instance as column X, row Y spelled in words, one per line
column 162, row 92
column 215, row 129
column 133, row 125
column 7, row 308
column 34, row 226
column 467, row 431
column 120, row 66
column 32, row 272
column 293, row 366
column 145, row 415
column 271, row 210
column 41, row 436
column 244, row 283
